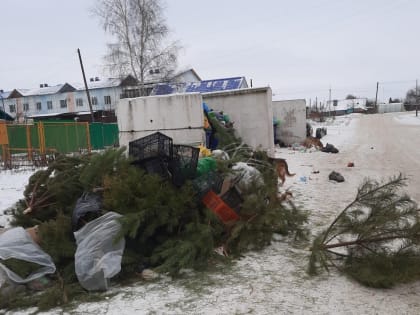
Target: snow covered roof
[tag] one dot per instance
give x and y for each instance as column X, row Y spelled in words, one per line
column 182, row 73
column 50, row 89
column 66, row 87
column 339, row 105
column 100, row 84
column 5, row 94
column 60, row 114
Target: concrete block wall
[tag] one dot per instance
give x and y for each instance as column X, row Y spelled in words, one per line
column 178, row 116
column 252, row 113
column 390, row 108
column 292, row 116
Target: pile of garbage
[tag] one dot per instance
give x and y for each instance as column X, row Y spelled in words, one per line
column 95, row 220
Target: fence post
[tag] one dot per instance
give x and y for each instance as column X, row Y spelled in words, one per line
column 28, row 142
column 6, row 156
column 41, row 136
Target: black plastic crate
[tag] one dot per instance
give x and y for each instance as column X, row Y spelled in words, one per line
column 151, row 146
column 210, row 181
column 233, row 199
column 158, row 166
column 183, row 165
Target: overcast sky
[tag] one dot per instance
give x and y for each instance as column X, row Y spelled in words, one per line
column 299, row 48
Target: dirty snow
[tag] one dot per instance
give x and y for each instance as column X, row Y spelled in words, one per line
column 12, row 185
column 273, row 281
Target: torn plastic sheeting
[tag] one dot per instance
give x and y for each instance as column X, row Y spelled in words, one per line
column 98, row 256
column 87, row 203
column 17, row 243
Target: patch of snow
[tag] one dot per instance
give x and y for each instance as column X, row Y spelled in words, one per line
column 408, row 118
column 12, row 185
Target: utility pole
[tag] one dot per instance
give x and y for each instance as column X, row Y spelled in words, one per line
column 376, row 97
column 417, row 99
column 329, row 102
column 86, row 87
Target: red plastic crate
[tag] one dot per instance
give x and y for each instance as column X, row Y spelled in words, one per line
column 219, row 207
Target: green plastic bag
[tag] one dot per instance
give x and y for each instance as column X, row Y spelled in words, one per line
column 206, row 165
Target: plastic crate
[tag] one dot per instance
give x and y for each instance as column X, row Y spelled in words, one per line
column 233, row 198
column 183, row 164
column 225, row 213
column 154, row 145
column 210, row 181
column 156, row 166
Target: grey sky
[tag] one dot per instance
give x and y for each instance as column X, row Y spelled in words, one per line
column 299, row 48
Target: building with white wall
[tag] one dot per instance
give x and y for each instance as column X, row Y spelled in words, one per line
column 291, row 115
column 50, row 101
column 390, row 107
column 251, row 111
column 179, row 116
column 346, row 106
column 66, row 98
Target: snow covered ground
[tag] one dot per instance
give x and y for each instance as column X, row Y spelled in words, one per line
column 273, row 281
column 12, row 185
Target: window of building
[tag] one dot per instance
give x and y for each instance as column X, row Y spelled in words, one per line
column 38, row 106
column 49, row 105
column 12, row 108
column 94, row 100
column 25, row 107
column 107, row 100
column 79, row 102
column 63, row 103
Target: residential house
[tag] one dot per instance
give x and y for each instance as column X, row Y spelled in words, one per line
column 346, row 106
column 50, row 101
column 68, row 98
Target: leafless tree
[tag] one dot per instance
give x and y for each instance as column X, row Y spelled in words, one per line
column 411, row 96
column 140, row 33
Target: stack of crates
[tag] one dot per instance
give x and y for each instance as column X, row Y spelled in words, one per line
column 152, row 153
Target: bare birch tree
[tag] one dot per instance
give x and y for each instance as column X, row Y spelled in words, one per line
column 140, row 33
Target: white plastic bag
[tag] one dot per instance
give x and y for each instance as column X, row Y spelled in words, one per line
column 247, row 174
column 98, row 256
column 16, row 243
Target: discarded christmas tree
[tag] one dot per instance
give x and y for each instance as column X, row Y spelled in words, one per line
column 165, row 227
column 375, row 239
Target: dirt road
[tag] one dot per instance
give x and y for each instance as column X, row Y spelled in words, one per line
column 385, row 146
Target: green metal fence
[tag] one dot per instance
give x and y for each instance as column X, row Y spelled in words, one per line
column 59, row 137
column 103, row 135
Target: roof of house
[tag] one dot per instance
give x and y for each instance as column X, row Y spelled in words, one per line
column 42, row 90
column 185, row 71
column 99, row 84
column 66, row 87
column 201, row 87
column 5, row 94
column 215, row 85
